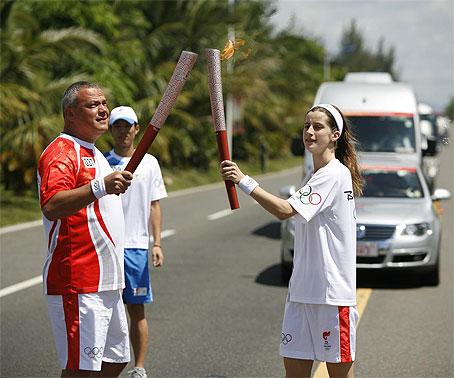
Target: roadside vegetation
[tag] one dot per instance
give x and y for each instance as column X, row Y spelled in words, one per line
column 18, row 209
column 130, row 48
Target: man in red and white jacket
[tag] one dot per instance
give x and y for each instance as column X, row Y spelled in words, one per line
column 84, row 228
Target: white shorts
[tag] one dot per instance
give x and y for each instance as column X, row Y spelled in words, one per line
column 89, row 329
column 319, row 332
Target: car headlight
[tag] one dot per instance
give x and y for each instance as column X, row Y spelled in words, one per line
column 418, row 229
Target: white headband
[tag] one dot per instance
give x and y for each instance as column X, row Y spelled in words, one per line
column 334, row 112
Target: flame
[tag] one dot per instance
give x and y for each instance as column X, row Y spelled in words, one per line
column 230, row 48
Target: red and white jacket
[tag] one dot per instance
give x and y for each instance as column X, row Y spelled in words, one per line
column 85, row 249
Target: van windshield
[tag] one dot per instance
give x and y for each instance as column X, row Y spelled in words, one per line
column 384, row 133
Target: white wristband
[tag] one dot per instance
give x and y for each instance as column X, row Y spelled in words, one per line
column 248, row 184
column 98, row 187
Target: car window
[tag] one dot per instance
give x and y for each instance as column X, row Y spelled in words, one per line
column 392, row 184
column 384, row 133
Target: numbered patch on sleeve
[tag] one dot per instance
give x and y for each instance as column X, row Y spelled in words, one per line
column 89, row 162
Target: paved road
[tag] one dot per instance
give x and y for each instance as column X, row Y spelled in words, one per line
column 219, row 299
column 407, row 329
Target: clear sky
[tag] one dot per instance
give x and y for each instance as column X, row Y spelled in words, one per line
column 422, row 33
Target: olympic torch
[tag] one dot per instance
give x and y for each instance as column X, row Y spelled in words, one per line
column 176, row 83
column 213, row 58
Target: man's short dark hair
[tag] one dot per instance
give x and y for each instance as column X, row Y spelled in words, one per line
column 69, row 97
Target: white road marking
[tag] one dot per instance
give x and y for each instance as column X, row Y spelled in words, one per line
column 20, row 226
column 226, row 212
column 219, row 214
column 21, row 286
column 39, row 279
column 165, row 234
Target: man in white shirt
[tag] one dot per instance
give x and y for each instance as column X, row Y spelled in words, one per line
column 84, row 229
column 142, row 212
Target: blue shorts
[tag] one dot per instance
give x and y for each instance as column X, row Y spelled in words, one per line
column 137, row 277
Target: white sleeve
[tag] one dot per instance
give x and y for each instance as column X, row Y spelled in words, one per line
column 316, row 196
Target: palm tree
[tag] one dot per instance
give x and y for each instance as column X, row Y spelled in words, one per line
column 30, row 93
column 131, row 51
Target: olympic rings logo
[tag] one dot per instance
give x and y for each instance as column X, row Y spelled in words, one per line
column 286, row 338
column 94, row 352
column 309, row 198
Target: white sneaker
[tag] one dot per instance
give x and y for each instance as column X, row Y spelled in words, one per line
column 137, row 372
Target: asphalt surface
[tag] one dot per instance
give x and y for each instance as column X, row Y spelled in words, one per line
column 407, row 329
column 219, row 298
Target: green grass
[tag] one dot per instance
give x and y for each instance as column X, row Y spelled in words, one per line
column 17, row 209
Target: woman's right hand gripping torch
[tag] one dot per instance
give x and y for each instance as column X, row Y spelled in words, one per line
column 213, row 58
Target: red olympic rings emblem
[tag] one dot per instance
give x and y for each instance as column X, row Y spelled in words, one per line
column 307, row 197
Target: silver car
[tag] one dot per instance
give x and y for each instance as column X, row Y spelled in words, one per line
column 398, row 224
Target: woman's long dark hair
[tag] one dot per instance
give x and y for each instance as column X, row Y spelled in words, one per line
column 345, row 149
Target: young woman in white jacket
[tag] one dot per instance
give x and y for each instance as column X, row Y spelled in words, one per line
column 320, row 312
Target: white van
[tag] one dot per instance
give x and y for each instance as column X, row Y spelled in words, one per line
column 383, row 113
